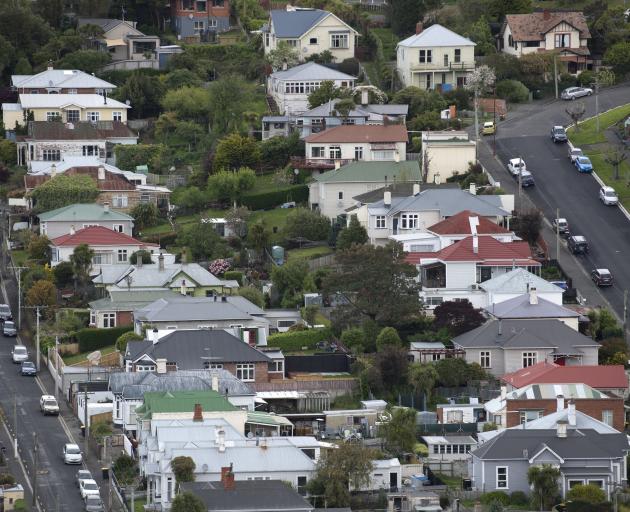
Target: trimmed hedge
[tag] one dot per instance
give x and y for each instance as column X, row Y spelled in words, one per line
column 268, row 200
column 163, row 239
column 294, row 341
column 93, row 339
column 234, row 275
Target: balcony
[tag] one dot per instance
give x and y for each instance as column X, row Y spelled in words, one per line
column 442, row 67
column 318, row 163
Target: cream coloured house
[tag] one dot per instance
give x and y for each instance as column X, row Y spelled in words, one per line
column 445, row 154
column 435, row 58
column 309, row 31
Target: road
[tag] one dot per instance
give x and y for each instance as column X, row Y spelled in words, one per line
column 559, row 185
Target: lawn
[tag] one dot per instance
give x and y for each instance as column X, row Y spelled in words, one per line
column 389, row 40
column 182, row 221
column 588, row 134
column 19, row 257
column 605, row 171
column 309, row 253
column 276, row 218
column 78, row 358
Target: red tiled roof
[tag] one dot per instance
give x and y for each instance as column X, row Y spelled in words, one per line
column 459, row 225
column 112, row 181
column 599, row 377
column 534, row 26
column 97, row 235
column 361, row 133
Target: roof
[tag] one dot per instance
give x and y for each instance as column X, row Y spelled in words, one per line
column 380, row 172
column 599, row 377
column 459, row 224
column 254, row 495
column 184, row 308
column 519, row 280
column 522, row 307
column 105, row 23
column 191, row 349
column 64, row 100
column 582, row 421
column 294, row 23
column 91, row 212
column 183, row 401
column 82, row 130
column 311, row 71
column 113, row 181
column 449, row 440
column 423, row 345
column 398, row 189
column 130, row 300
column 361, row 133
column 543, row 333
column 63, row 78
column 265, row 418
column 327, row 109
column 534, row 26
column 435, row 35
column 97, row 235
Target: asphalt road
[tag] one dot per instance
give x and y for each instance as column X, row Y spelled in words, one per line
column 558, row 185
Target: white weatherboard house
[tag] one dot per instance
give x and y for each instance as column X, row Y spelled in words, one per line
column 309, row 31
column 60, row 81
column 435, row 58
column 445, row 154
column 61, row 221
column 290, row 87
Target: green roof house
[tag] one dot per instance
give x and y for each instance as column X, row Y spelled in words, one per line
column 61, row 221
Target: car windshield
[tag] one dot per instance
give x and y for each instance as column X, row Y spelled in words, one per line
column 9, row 325
column 584, row 160
column 19, row 350
column 558, row 130
column 73, row 450
column 28, row 365
column 93, row 500
column 610, row 193
column 50, row 403
column 5, row 309
column 88, row 486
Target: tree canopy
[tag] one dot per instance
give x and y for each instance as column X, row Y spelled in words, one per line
column 235, row 151
column 305, row 223
column 64, row 190
column 457, row 316
column 188, row 502
column 353, row 233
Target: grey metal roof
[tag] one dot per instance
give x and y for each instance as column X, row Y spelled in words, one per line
column 327, row 109
column 522, row 444
column 535, row 333
column 292, row 24
column 149, row 276
column 190, row 349
column 582, row 421
column 83, row 212
column 518, row 280
column 275, row 119
column 436, row 35
column 130, row 300
column 64, row 78
column 521, row 307
column 311, row 71
column 185, row 308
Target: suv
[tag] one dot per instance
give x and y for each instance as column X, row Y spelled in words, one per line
column 561, row 225
column 608, row 196
column 8, row 329
column 48, row 405
column 577, row 244
column 558, row 134
column 602, row 277
column 5, row 312
column 527, row 180
column 574, row 153
column 516, row 165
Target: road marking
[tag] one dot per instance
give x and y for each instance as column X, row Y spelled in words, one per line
column 63, row 423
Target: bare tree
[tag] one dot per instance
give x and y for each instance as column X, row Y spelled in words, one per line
column 576, row 113
column 615, row 156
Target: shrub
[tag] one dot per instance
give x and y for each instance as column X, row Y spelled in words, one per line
column 295, row 340
column 124, row 468
column 218, row 267
column 500, row 496
column 518, row 498
column 123, row 339
column 164, row 239
column 145, row 257
column 93, row 339
column 513, row 91
column 268, row 200
column 234, row 275
column 7, row 479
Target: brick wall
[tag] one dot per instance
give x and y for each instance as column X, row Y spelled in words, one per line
column 124, row 318
column 261, row 373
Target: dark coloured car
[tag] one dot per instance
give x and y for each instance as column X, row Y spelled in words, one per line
column 558, row 134
column 602, row 277
column 28, row 368
column 577, row 244
column 527, row 179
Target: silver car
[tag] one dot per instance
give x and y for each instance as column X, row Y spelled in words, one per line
column 93, row 504
column 573, row 93
column 19, row 354
column 8, row 329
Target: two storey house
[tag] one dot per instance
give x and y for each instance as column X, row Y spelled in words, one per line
column 60, row 81
column 198, row 18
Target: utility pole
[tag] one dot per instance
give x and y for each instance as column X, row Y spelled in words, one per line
column 520, row 185
column 557, row 235
column 36, row 459
column 86, row 430
column 625, row 313
column 58, row 378
column 477, row 126
column 19, row 282
column 555, row 74
column 15, row 441
column 597, row 105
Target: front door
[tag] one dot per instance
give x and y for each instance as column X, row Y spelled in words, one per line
column 395, row 226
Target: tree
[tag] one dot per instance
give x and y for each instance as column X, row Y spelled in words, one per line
column 309, row 314
column 63, row 190
column 253, row 295
column 354, row 339
column 258, row 236
column 123, row 339
column 188, row 502
column 388, row 336
column 481, row 34
column 454, row 372
column 202, row 241
column 8, row 151
column 512, row 91
column 404, row 14
column 289, row 280
column 129, row 156
column 230, row 97
column 392, row 363
column 189, row 103
column 480, row 80
column 189, row 199
column 234, row 152
column 399, row 433
column 144, row 93
column 305, row 223
column 183, row 468
column 587, row 493
column 576, row 112
column 603, row 325
column 236, row 220
column 42, row 293
column 615, row 156
column 63, row 274
column 231, row 185
column 420, row 100
column 39, row 249
column 353, row 233
column 179, row 78
column 499, row 8
column 544, row 482
column 81, row 260
column 327, row 91
column 528, row 226
column 283, row 55
column 144, row 255
column 618, row 56
column 90, row 61
column 458, row 316
column 144, row 215
column 422, row 377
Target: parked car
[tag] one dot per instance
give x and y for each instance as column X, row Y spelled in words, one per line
column 608, row 196
column 8, row 329
column 93, row 503
column 88, row 487
column 5, row 312
column 583, row 164
column 19, row 353
column 602, row 277
column 72, row 454
column 573, row 93
column 290, row 204
column 48, row 405
column 489, row 128
column 527, row 179
column 578, row 244
column 516, row 165
column 561, row 225
column 28, row 368
column 559, row 134
column 83, row 474
column 574, row 153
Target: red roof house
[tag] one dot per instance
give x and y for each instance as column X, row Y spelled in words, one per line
column 460, row 225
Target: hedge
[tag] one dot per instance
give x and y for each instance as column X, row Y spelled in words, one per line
column 295, row 341
column 93, row 339
column 164, row 239
column 268, row 200
column 234, row 275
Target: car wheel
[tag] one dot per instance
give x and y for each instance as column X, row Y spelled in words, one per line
column 589, row 93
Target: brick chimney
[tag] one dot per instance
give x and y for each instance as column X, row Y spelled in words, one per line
column 546, row 15
column 198, row 413
column 419, row 27
column 227, row 478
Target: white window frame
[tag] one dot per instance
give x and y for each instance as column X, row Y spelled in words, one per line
column 145, row 368
column 73, row 112
column 334, row 152
column 120, row 201
column 71, row 91
column 505, row 479
column 117, row 116
column 608, row 417
column 425, row 56
column 433, row 301
column 119, row 228
column 171, row 327
column 122, row 255
column 246, row 372
column 381, row 222
column 51, row 155
column 207, row 326
column 523, row 416
column 213, row 23
column 51, row 116
column 318, row 151
column 276, row 366
column 339, row 41
column 383, row 155
column 409, row 220
column 109, row 320
column 531, row 358
column 483, row 355
column 312, row 40
column 293, row 43
column 93, row 318
column 358, row 152
column 198, row 26
column 93, row 116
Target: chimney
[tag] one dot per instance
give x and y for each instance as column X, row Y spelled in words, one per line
column 337, row 164
column 101, row 173
column 546, row 15
column 561, row 429
column 416, row 189
column 473, row 189
column 559, row 403
column 198, row 413
column 284, row 65
column 475, row 243
column 419, row 27
column 161, row 262
column 49, row 67
column 571, row 415
column 533, row 296
column 153, row 335
column 227, row 478
column 215, row 383
column 503, row 392
column 365, row 97
column 396, row 157
column 106, row 207
column 72, row 230
column 387, row 198
column 182, row 288
column 160, row 366
column 53, row 170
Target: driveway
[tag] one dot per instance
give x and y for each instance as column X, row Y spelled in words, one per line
column 558, row 184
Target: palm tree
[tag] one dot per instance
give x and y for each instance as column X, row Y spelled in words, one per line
column 544, row 482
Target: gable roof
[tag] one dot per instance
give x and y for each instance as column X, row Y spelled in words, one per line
column 459, row 224
column 534, row 26
column 436, row 35
column 82, row 130
column 62, row 78
column 66, row 100
column 361, row 133
column 599, row 377
column 379, row 172
column 130, row 300
column 296, row 22
column 97, row 236
column 183, row 401
column 522, row 307
column 311, row 71
column 91, row 212
column 519, row 280
column 113, row 181
column 190, row 349
column 203, row 309
column 105, row 23
column 327, row 109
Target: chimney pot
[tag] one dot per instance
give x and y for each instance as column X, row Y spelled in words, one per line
column 416, row 189
column 161, row 262
column 387, row 198
column 473, row 189
column 419, row 27
column 198, row 413
column 559, row 403
column 533, row 296
column 571, row 415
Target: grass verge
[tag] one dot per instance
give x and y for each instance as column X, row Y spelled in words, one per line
column 309, row 253
column 588, row 134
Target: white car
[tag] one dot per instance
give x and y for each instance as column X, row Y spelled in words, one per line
column 72, row 454
column 83, row 474
column 608, row 196
column 516, row 165
column 575, row 92
column 574, row 153
column 19, row 354
column 48, row 405
column 88, row 488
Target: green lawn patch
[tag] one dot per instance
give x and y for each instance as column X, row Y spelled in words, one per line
column 606, row 172
column 78, row 358
column 19, row 257
column 454, row 482
column 273, row 218
column 588, row 134
column 389, row 40
column 309, row 253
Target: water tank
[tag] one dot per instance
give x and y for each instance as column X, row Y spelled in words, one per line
column 277, row 253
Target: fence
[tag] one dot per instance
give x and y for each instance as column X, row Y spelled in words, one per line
column 317, row 363
column 322, row 261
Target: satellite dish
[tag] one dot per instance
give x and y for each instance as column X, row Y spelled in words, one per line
column 94, row 357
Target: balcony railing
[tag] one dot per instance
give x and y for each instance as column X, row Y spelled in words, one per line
column 441, row 66
column 318, row 163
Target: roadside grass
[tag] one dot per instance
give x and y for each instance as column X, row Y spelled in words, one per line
column 308, row 253
column 588, row 134
column 606, row 172
column 78, row 358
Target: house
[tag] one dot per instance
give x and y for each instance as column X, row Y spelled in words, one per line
column 582, row 457
column 60, row 81
column 445, row 154
column 117, row 308
column 517, row 282
column 281, row 320
column 196, row 21
column 110, row 247
column 333, row 192
column 435, row 58
column 505, row 346
column 67, row 108
column 224, row 312
column 530, row 306
column 310, row 32
column 290, row 88
column 61, row 221
column 344, row 423
column 64, row 143
column 350, row 143
column 430, row 351
column 200, row 349
column 609, row 379
column 449, row 448
column 565, row 33
column 472, row 412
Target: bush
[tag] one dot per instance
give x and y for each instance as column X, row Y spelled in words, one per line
column 7, row 479
column 499, row 496
column 268, row 200
column 145, row 257
column 164, row 239
column 93, row 339
column 234, row 275
column 513, row 91
column 124, row 468
column 518, row 498
column 123, row 339
column 294, row 341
